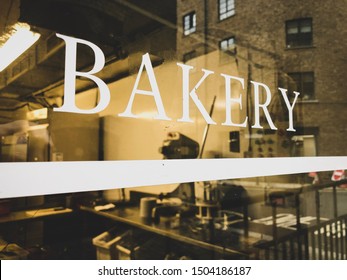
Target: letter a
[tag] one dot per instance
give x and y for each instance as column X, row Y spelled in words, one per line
column 146, row 63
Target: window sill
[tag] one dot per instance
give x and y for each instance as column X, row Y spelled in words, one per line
column 299, row 48
column 308, row 101
column 224, row 19
column 187, row 35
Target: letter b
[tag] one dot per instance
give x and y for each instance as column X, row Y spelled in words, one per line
column 71, row 73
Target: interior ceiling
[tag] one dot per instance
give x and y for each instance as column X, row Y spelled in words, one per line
column 36, row 78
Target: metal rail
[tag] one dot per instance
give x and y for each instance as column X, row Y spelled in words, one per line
column 325, row 240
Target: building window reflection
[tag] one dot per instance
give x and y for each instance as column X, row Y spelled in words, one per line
column 303, row 82
column 227, row 45
column 228, row 49
column 299, row 32
column 226, row 9
column 189, row 23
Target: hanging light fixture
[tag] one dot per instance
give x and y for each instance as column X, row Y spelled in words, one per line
column 15, row 42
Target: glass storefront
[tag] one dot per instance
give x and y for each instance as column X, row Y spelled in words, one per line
column 172, row 129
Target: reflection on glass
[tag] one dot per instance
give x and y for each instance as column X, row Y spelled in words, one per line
column 237, row 63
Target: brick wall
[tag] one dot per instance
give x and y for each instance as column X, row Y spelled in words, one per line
column 259, row 29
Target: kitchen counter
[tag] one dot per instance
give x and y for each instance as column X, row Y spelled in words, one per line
column 228, row 240
column 33, row 214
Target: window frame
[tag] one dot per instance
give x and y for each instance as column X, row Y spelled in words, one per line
column 227, row 55
column 300, row 39
column 229, row 49
column 192, row 23
column 301, row 87
column 225, row 15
